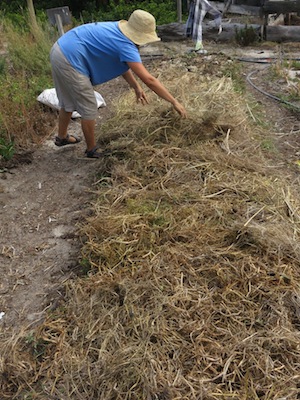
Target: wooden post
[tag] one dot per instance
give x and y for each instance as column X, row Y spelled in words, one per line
column 33, row 22
column 179, row 11
column 59, row 17
column 59, row 24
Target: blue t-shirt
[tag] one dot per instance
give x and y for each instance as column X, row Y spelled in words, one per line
column 99, row 50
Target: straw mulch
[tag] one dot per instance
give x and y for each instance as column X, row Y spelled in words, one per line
column 193, row 291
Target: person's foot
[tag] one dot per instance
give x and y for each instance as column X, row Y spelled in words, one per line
column 201, row 51
column 96, row 153
column 69, row 139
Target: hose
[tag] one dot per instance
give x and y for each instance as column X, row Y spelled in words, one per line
column 264, row 60
column 268, row 94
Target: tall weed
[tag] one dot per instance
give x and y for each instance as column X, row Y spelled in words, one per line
column 24, row 72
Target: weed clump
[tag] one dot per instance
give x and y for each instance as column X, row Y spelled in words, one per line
column 24, row 73
column 246, row 36
column 7, row 149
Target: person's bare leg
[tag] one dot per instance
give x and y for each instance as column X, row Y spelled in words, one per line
column 63, row 123
column 88, row 129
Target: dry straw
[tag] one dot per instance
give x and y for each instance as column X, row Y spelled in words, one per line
column 193, row 291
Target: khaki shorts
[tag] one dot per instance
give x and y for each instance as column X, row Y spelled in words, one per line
column 74, row 90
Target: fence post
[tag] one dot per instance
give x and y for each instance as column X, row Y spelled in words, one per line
column 179, row 11
column 59, row 17
column 59, row 24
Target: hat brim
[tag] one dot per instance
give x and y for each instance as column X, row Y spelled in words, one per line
column 136, row 37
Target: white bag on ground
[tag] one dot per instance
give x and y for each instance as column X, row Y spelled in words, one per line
column 49, row 98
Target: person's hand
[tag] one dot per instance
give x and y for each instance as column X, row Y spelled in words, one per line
column 180, row 109
column 141, row 96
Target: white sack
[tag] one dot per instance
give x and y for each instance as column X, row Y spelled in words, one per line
column 49, row 98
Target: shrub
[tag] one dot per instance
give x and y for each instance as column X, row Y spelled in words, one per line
column 246, row 36
column 164, row 12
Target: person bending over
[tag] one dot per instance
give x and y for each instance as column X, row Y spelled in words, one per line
column 95, row 53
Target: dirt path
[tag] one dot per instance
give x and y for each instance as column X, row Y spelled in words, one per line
column 43, row 202
column 41, row 205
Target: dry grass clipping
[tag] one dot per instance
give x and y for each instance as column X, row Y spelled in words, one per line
column 194, row 247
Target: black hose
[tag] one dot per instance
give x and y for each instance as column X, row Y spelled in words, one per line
column 268, row 94
column 265, row 60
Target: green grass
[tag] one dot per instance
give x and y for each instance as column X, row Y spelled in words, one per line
column 268, row 145
column 257, row 114
column 2, row 65
column 233, row 70
column 292, row 64
column 24, row 73
column 7, row 149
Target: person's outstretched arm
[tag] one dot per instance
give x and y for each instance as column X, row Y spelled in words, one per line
column 153, row 83
column 133, row 83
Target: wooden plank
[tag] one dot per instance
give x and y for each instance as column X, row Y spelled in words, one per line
column 283, row 33
column 176, row 31
column 237, row 9
column 281, row 7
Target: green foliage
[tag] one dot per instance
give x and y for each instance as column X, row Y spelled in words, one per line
column 293, row 64
column 89, row 11
column 268, row 144
column 25, row 53
column 93, row 10
column 31, row 59
column 85, row 266
column 7, row 149
column 24, row 73
column 12, row 5
column 155, row 214
column 233, row 70
column 17, row 20
column 246, row 36
column 2, row 65
column 164, row 12
column 37, row 346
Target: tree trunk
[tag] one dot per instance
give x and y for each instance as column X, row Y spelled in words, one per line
column 283, row 33
column 32, row 20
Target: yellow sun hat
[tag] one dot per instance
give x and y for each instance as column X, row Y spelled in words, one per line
column 140, row 28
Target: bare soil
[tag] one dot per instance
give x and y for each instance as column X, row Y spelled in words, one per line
column 46, row 193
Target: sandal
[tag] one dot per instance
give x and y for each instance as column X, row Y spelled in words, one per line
column 96, row 154
column 63, row 142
